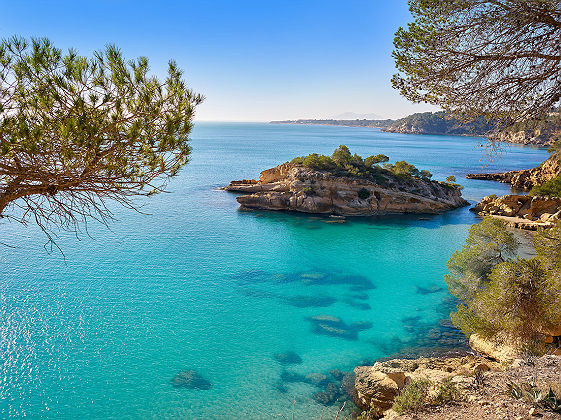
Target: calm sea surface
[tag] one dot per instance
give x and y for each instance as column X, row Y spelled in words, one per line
column 197, row 284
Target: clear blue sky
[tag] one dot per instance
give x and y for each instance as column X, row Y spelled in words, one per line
column 254, row 60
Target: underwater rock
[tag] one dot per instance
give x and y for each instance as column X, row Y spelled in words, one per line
column 428, row 290
column 279, row 386
column 190, row 379
column 310, row 301
column 360, row 296
column 292, row 377
column 337, row 374
column 329, row 396
column 359, row 305
column 316, row 379
column 336, row 327
column 362, row 325
column 288, row 358
column 326, row 319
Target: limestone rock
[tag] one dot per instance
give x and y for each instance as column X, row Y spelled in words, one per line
column 376, row 386
column 527, row 178
column 297, row 188
column 522, row 211
column 375, row 390
column 493, row 349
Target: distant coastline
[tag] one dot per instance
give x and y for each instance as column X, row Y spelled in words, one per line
column 341, row 123
column 440, row 123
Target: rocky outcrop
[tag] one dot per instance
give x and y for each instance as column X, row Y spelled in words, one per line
column 542, row 136
column 527, row 178
column 521, row 211
column 297, row 188
column 376, row 386
column 493, row 349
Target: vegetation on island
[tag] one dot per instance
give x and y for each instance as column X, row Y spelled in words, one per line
column 77, row 132
column 343, row 163
column 502, row 295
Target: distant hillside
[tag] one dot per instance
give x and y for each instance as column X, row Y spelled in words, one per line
column 345, row 123
column 355, row 116
column 439, row 123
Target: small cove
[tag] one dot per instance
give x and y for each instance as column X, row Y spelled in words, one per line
column 197, row 284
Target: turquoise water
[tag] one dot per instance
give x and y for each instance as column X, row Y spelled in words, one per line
column 197, row 284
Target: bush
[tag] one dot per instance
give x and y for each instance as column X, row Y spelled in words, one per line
column 363, row 194
column 412, row 397
column 514, row 298
column 342, row 163
column 551, row 188
column 447, row 392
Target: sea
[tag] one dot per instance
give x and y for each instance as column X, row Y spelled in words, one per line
column 261, row 310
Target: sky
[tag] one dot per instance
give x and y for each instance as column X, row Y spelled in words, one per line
column 253, row 60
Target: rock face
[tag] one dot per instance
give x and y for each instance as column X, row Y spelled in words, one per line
column 376, row 386
column 539, row 136
column 497, row 351
column 525, row 179
column 522, row 211
column 296, row 188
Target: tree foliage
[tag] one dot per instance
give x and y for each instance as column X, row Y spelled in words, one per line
column 499, row 59
column 499, row 295
column 342, row 162
column 551, row 188
column 488, row 244
column 76, row 132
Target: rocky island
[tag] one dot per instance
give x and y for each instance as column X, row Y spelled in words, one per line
column 347, row 185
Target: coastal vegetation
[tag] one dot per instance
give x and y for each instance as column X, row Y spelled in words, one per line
column 77, row 132
column 504, row 296
column 342, row 162
column 441, row 123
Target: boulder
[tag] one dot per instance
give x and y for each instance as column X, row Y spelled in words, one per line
column 375, row 391
column 493, row 348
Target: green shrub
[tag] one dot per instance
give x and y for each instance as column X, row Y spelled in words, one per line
column 374, row 160
column 342, row 163
column 412, row 397
column 447, row 392
column 551, row 188
column 514, row 298
column 363, row 193
column 451, row 179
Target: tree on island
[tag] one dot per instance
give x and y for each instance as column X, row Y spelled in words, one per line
column 344, row 163
column 499, row 59
column 76, row 132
